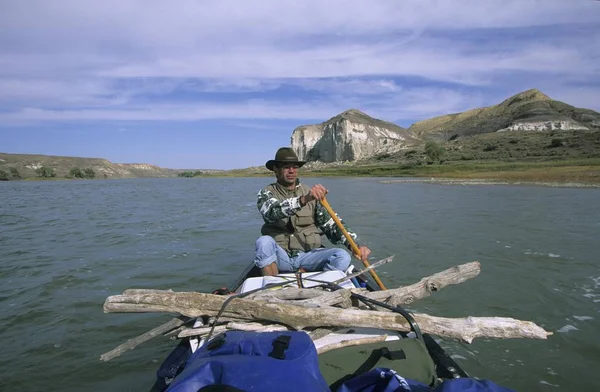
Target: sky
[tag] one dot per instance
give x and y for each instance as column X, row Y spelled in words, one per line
column 222, row 84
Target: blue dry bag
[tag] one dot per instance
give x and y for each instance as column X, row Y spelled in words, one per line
column 252, row 361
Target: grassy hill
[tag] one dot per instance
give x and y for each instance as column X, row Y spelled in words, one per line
column 27, row 164
column 528, row 107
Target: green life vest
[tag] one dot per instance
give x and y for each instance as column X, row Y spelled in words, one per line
column 297, row 233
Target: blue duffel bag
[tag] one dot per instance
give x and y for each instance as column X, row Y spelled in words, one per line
column 252, row 361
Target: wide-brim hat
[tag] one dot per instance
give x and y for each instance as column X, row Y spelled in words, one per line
column 286, row 156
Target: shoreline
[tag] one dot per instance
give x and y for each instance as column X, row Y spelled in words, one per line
column 483, row 181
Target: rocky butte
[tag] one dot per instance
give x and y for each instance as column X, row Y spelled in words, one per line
column 349, row 136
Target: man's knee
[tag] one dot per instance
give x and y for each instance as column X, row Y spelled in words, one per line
column 345, row 260
column 265, row 262
column 265, row 241
column 266, row 251
column 341, row 260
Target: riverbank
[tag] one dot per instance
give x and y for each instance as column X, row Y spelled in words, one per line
column 584, row 172
column 481, row 181
column 578, row 173
column 570, row 173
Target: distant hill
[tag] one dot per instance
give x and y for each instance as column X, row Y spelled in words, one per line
column 530, row 110
column 26, row 165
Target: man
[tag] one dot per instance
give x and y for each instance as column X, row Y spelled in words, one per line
column 294, row 222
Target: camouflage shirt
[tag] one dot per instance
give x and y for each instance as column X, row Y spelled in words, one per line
column 272, row 210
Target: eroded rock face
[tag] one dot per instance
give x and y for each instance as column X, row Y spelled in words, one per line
column 350, row 136
column 305, row 138
column 541, row 126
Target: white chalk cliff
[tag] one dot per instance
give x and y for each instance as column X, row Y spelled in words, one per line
column 349, row 136
column 541, row 126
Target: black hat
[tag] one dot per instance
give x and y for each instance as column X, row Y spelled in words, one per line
column 284, row 155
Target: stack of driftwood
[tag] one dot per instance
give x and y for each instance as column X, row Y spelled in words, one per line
column 318, row 311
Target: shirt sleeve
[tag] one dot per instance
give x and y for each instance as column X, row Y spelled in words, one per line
column 326, row 223
column 272, row 209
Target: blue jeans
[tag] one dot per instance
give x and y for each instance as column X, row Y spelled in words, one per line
column 319, row 259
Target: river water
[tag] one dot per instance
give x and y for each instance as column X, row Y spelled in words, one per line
column 67, row 245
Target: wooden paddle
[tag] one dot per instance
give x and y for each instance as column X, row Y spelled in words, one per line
column 355, row 248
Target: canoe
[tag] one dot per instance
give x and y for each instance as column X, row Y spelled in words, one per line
column 426, row 358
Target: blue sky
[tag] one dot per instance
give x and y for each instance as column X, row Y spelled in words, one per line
column 222, row 84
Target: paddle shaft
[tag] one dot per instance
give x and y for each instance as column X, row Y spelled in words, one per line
column 355, row 248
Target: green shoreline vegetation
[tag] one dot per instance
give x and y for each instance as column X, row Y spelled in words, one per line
column 47, row 173
column 577, row 171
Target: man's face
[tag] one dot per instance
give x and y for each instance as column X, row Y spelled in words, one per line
column 287, row 174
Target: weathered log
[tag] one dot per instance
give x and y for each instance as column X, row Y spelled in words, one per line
column 349, row 340
column 426, row 286
column 339, row 298
column 307, row 297
column 146, row 291
column 200, row 331
column 221, row 320
column 403, row 295
column 256, row 327
column 193, row 304
column 238, row 326
column 133, row 343
column 173, row 334
column 288, row 294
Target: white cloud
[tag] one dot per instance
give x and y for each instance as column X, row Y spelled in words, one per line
column 230, row 85
column 186, row 112
column 115, row 60
column 413, row 103
column 249, row 39
column 55, row 91
column 189, row 23
column 353, row 86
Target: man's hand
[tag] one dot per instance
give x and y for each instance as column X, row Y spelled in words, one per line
column 317, row 192
column 364, row 252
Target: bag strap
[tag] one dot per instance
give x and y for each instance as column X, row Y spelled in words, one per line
column 280, row 344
